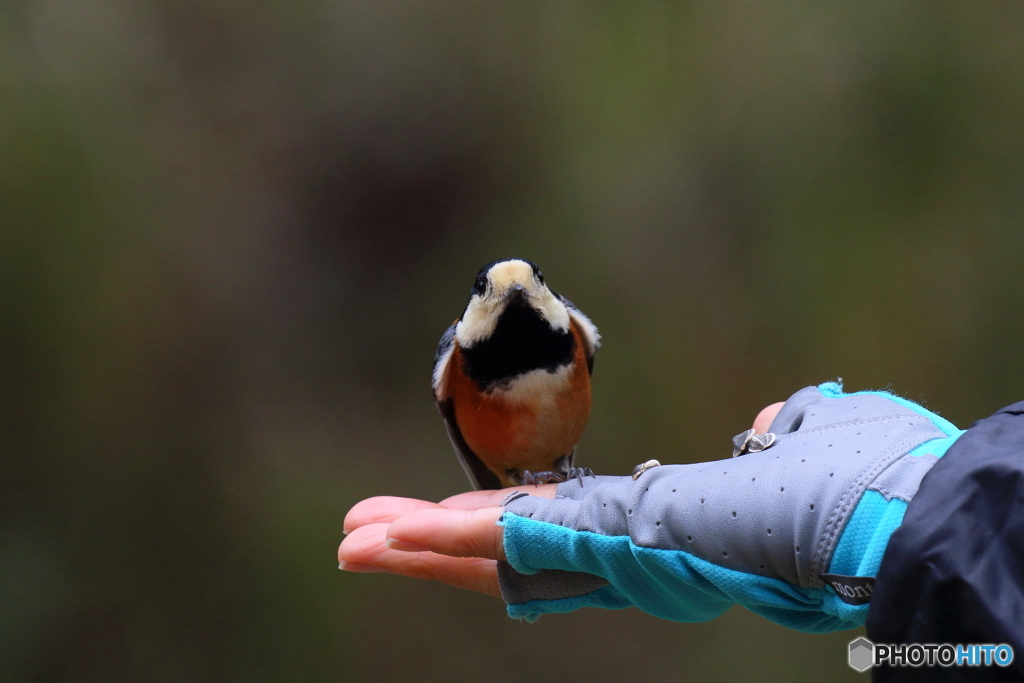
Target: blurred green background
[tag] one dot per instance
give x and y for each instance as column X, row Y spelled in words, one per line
column 232, row 232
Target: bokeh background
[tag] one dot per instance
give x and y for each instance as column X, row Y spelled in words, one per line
column 232, row 232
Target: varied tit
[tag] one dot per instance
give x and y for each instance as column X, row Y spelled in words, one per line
column 512, row 379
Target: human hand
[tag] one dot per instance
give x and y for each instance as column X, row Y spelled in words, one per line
column 766, row 537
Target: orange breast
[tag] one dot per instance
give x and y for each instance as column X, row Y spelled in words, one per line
column 527, row 432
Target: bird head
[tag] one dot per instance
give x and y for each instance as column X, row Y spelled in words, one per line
column 504, row 284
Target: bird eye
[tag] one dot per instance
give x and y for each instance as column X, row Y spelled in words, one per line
column 537, row 274
column 481, row 285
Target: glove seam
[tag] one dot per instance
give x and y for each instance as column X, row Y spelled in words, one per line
column 844, row 425
column 844, row 509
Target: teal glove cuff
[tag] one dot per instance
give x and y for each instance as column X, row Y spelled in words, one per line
column 670, row 584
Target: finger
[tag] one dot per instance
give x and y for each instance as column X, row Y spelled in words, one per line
column 364, row 546
column 382, row 509
column 474, row 500
column 364, row 550
column 459, row 533
column 764, row 419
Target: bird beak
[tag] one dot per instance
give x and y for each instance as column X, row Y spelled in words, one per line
column 515, row 292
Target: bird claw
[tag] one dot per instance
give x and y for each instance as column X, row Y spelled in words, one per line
column 548, row 477
column 538, row 478
column 578, row 473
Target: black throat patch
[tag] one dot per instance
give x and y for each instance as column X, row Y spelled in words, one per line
column 522, row 341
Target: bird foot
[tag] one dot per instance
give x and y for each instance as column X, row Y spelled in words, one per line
column 547, row 477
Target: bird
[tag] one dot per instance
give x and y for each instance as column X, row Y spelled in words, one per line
column 512, row 379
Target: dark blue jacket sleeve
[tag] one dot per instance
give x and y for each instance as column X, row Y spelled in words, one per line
column 954, row 570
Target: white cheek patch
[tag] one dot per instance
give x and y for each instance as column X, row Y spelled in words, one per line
column 553, row 310
column 536, row 387
column 479, row 320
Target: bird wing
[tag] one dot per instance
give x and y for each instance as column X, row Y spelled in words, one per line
column 479, row 475
column 476, row 470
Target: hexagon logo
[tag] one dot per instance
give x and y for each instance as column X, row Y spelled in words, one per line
column 862, row 654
